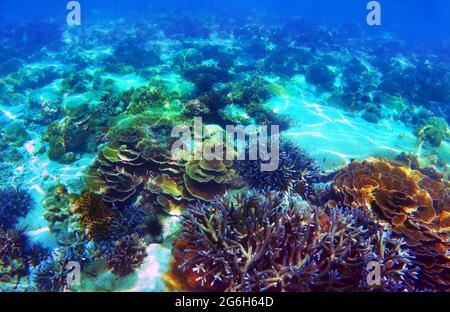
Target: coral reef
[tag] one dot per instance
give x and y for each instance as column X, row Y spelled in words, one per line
column 15, row 202
column 119, row 168
column 95, row 215
column 128, row 254
column 17, row 256
column 59, row 212
column 15, row 134
column 51, row 275
column 296, row 171
column 415, row 206
column 264, row 242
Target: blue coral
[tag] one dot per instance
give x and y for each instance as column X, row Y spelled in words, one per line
column 267, row 242
column 296, row 171
column 15, row 203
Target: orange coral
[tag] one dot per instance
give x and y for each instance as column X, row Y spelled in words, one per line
column 95, row 215
column 416, row 207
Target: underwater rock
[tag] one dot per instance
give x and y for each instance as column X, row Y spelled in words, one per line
column 132, row 52
column 206, row 76
column 320, row 75
column 15, row 134
column 10, row 66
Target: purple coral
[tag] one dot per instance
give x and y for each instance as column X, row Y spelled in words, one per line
column 128, row 254
column 296, row 170
column 264, row 242
column 15, row 203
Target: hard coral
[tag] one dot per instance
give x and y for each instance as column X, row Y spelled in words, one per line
column 15, row 203
column 17, row 256
column 51, row 276
column 119, row 168
column 59, row 207
column 263, row 242
column 127, row 255
column 416, row 207
column 186, row 180
column 95, row 215
column 296, row 171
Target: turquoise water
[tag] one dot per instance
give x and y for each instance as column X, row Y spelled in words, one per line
column 87, row 111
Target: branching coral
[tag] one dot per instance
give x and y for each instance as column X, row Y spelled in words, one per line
column 51, row 276
column 13, row 259
column 17, row 255
column 15, row 202
column 416, row 207
column 127, row 255
column 263, row 242
column 296, row 171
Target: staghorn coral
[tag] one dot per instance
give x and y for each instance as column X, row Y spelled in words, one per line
column 416, row 207
column 264, row 242
column 128, row 254
column 13, row 259
column 17, row 256
column 296, row 171
column 95, row 215
column 15, row 203
column 51, row 276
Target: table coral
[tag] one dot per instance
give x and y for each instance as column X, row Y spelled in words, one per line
column 416, row 207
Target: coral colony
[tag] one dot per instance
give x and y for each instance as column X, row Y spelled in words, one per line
column 188, row 152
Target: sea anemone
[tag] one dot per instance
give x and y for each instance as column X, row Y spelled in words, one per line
column 15, row 203
column 296, row 171
column 128, row 254
column 264, row 242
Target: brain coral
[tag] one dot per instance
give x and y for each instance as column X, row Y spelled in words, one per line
column 263, row 242
column 416, row 207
